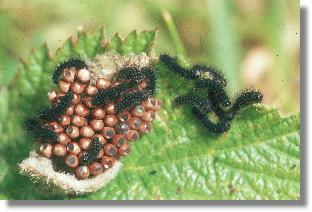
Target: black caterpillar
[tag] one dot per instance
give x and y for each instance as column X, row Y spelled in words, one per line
column 73, row 62
column 215, row 98
column 34, row 127
column 50, row 114
column 128, row 78
column 92, row 152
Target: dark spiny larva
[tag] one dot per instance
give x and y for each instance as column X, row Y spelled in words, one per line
column 203, row 71
column 129, row 73
column 245, row 99
column 92, row 152
column 73, row 62
column 34, row 127
column 215, row 128
column 173, row 65
column 216, row 91
column 110, row 94
column 150, row 76
column 203, row 105
column 50, row 114
column 130, row 100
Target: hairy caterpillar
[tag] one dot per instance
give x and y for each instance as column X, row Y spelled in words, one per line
column 50, row 114
column 173, row 65
column 77, row 63
column 215, row 128
column 34, row 127
column 92, row 152
column 203, row 105
column 129, row 100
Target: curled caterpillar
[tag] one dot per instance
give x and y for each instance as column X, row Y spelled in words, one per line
column 173, row 65
column 216, row 91
column 34, row 127
column 130, row 99
column 73, row 62
column 201, row 104
column 215, row 128
column 245, row 99
column 92, row 152
column 50, row 114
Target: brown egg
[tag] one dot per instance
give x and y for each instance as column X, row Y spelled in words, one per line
column 52, row 96
column 110, row 120
column 108, row 132
column 64, row 86
column 135, row 123
column 145, row 127
column 59, row 150
column 69, row 75
column 137, row 111
column 63, row 138
column 149, row 104
column 101, row 138
column 148, row 116
column 73, row 148
column 72, row 131
column 77, row 88
column 83, row 75
column 46, row 150
column 84, row 143
column 97, row 125
column 64, row 120
column 133, row 135
column 124, row 150
column 76, row 99
column 81, row 110
column 82, row 172
column 98, row 113
column 100, row 154
column 86, row 131
column 55, row 127
column 103, row 83
column 108, row 162
column 110, row 108
column 119, row 140
column 90, row 90
column 95, row 168
column 110, row 150
column 72, row 161
column 70, row 110
column 78, row 121
column 123, row 116
column 87, row 101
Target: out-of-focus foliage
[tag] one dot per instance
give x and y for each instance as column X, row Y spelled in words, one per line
column 254, row 42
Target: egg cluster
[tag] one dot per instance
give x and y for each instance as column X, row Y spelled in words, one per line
column 90, row 125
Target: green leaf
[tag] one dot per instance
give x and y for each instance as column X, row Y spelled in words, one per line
column 134, row 43
column 259, row 158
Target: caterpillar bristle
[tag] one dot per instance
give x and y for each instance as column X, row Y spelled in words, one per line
column 92, row 152
column 77, row 63
column 50, row 114
column 34, row 127
column 129, row 100
column 215, row 128
column 245, row 99
column 174, row 66
column 150, row 76
column 203, row 105
column 129, row 73
column 209, row 72
column 110, row 94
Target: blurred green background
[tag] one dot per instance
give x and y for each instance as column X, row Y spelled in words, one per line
column 254, row 42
